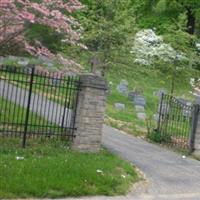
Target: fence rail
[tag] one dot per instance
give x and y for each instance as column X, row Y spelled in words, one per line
column 175, row 122
column 34, row 103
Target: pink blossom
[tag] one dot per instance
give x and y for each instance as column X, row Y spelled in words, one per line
column 14, row 20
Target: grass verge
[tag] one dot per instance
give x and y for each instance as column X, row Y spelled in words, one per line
column 51, row 169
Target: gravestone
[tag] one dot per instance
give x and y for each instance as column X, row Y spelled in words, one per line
column 119, row 106
column 141, row 116
column 123, row 87
column 140, row 100
column 135, row 92
column 139, row 108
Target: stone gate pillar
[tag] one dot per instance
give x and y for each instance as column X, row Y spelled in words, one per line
column 196, row 140
column 90, row 114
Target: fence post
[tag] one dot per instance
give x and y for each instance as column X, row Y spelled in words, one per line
column 195, row 138
column 160, row 112
column 90, row 114
column 28, row 107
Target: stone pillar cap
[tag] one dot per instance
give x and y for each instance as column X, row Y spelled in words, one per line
column 93, row 81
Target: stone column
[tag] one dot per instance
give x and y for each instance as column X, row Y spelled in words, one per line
column 90, row 114
column 197, row 127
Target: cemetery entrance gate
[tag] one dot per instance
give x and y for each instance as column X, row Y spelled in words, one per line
column 176, row 120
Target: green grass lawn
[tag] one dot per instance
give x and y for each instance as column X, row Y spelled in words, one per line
column 51, row 169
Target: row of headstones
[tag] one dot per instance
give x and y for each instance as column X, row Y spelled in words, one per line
column 135, row 96
column 139, row 101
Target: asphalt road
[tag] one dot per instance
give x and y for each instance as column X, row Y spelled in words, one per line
column 169, row 175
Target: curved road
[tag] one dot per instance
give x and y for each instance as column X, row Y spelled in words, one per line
column 169, row 175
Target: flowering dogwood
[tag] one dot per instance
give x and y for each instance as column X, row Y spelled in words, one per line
column 148, row 46
column 17, row 15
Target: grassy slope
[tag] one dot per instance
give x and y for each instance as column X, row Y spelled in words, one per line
column 149, row 81
column 14, row 116
column 51, row 169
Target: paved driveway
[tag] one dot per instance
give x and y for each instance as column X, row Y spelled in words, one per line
column 169, row 175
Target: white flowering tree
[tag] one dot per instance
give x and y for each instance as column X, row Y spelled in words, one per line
column 149, row 48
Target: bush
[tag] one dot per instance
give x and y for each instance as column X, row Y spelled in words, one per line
column 155, row 136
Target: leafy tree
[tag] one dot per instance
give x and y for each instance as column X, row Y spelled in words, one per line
column 107, row 25
column 17, row 17
column 190, row 7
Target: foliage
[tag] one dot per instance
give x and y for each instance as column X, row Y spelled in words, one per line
column 158, row 138
column 107, row 26
column 17, row 18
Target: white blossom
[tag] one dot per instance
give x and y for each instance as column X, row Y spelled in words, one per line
column 192, row 82
column 148, row 46
column 198, row 46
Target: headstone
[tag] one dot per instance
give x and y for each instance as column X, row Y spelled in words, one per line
column 140, row 100
column 141, row 116
column 139, row 108
column 123, row 87
column 120, row 106
column 135, row 92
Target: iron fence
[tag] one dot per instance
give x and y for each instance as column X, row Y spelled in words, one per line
column 35, row 103
column 175, row 122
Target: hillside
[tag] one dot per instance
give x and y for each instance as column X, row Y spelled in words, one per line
column 118, row 63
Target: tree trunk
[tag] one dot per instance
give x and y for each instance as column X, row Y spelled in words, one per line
column 190, row 21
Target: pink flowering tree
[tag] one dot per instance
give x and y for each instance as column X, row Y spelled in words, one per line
column 16, row 16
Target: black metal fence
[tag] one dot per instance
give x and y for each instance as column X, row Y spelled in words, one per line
column 35, row 103
column 175, row 122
